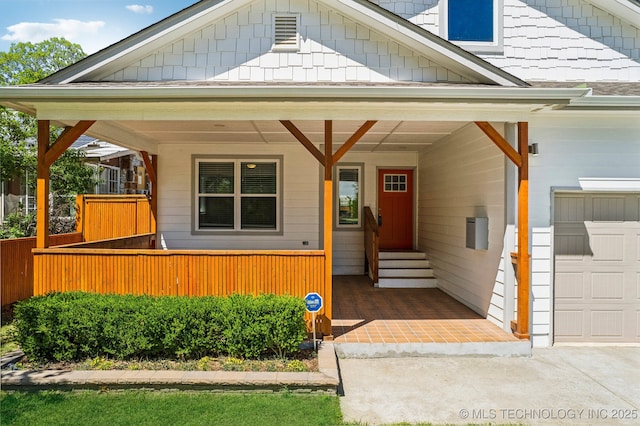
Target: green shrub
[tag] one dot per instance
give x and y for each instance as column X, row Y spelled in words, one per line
column 76, row 326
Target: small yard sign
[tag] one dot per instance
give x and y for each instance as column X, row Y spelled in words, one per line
column 313, row 301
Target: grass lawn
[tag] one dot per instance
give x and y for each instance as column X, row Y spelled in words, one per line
column 165, row 408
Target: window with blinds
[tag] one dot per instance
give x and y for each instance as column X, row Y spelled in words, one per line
column 237, row 195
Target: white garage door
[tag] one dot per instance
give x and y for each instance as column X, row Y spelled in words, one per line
column 597, row 267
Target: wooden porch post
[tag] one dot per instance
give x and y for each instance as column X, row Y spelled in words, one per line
column 151, row 165
column 47, row 155
column 328, row 159
column 328, row 219
column 520, row 159
column 522, row 326
column 42, row 192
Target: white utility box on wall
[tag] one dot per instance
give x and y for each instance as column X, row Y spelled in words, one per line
column 478, row 233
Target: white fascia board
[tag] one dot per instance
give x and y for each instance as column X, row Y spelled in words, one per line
column 623, row 9
column 108, row 112
column 441, row 53
column 146, row 41
column 610, row 184
column 96, row 94
column 605, row 103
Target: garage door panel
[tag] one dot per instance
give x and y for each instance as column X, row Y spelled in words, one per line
column 571, row 247
column 569, row 209
column 569, row 324
column 607, row 248
column 570, row 286
column 607, row 209
column 607, row 323
column 607, row 286
column 597, row 268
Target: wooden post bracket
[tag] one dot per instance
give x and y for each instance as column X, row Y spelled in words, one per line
column 47, row 155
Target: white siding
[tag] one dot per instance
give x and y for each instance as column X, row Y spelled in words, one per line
column 301, row 195
column 302, row 201
column 541, row 259
column 593, row 146
column 461, row 177
column 558, row 40
column 333, row 48
column 348, row 246
column 421, row 12
column 567, row 40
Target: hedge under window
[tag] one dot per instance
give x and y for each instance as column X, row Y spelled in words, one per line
column 237, row 195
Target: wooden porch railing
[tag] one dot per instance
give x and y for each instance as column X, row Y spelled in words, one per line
column 16, row 265
column 371, row 242
column 183, row 272
column 101, row 217
column 144, row 241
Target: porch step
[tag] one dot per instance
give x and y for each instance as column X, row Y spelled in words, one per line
column 403, row 263
column 407, row 273
column 405, row 270
column 404, row 282
column 385, row 255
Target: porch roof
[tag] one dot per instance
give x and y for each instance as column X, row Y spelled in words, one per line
column 141, row 116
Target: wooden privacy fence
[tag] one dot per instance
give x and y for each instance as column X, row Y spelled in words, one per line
column 16, row 265
column 101, row 217
column 184, row 273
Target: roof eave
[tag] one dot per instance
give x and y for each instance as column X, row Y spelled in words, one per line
column 605, row 103
column 11, row 96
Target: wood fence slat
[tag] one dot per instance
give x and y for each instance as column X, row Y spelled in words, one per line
column 17, row 279
column 190, row 273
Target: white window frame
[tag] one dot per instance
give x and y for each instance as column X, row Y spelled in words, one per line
column 336, row 174
column 237, row 194
column 275, row 47
column 495, row 46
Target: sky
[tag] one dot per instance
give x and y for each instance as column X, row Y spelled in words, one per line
column 94, row 24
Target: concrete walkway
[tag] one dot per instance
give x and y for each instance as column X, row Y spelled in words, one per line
column 579, row 385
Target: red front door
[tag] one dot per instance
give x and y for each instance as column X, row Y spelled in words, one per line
column 395, row 208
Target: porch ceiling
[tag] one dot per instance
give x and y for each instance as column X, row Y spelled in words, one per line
column 384, row 136
column 409, row 117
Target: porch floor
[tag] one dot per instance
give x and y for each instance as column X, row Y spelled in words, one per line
column 365, row 314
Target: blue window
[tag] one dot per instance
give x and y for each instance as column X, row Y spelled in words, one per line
column 471, row 20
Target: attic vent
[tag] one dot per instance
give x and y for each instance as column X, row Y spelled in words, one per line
column 285, row 32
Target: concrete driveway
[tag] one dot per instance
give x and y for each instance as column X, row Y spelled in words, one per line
column 580, row 385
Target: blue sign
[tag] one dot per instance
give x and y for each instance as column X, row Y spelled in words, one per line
column 313, row 302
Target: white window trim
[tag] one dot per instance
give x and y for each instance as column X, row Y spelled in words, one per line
column 237, row 196
column 285, row 48
column 336, row 174
column 496, row 46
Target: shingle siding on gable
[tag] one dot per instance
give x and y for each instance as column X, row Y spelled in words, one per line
column 332, row 48
column 553, row 40
column 424, row 13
